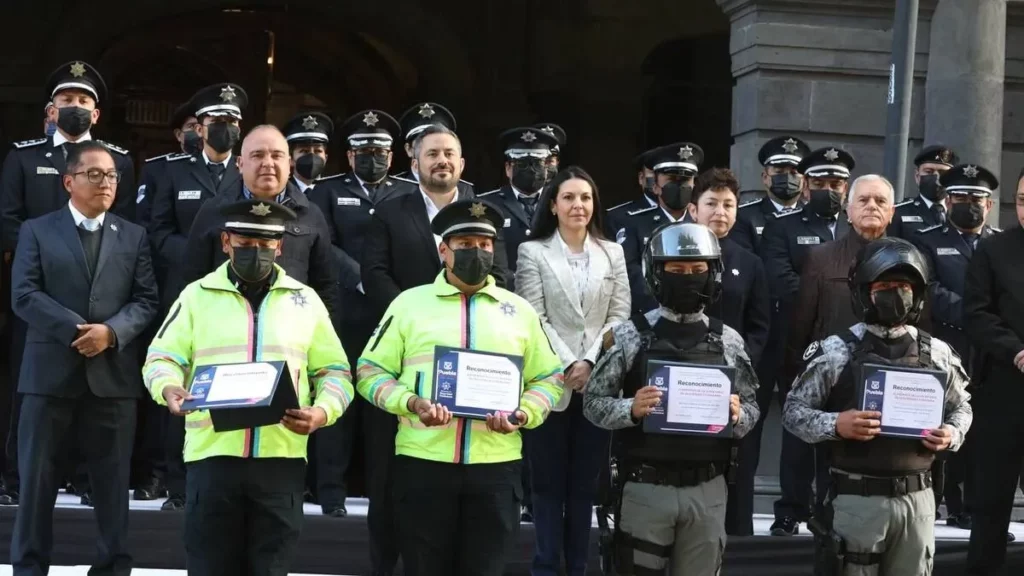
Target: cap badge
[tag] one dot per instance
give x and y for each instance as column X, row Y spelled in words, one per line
column 790, row 146
column 945, row 156
column 78, row 69
column 260, row 209
column 370, row 119
column 831, row 155
column 309, row 123
column 477, row 210
column 685, row 153
column 971, row 171
column 227, row 94
column 426, row 111
column 529, row 137
column 548, row 129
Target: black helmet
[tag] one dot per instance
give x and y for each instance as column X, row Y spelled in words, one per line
column 887, row 259
column 683, row 242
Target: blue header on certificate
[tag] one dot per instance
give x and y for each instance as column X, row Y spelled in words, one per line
column 473, row 384
column 695, row 399
column 911, row 400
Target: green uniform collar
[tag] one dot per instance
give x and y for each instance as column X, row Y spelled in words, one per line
column 218, row 280
column 443, row 288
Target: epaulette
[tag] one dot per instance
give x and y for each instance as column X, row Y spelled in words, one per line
column 29, row 143
column 608, row 340
column 333, row 176
column 787, row 213
column 751, row 203
column 617, row 206
column 176, row 157
column 466, row 182
column 114, row 148
column 904, row 203
column 642, row 210
column 406, row 180
column 160, row 157
column 994, row 229
column 929, row 229
column 488, row 193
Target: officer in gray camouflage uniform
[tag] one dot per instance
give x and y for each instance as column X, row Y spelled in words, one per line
column 674, row 495
column 880, row 503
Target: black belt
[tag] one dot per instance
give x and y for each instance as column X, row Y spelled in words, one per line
column 674, row 475
column 888, row 487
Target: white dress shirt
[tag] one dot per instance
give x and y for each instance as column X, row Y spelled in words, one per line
column 432, row 211
column 59, row 139
column 579, row 264
column 303, row 187
column 208, row 161
column 90, row 224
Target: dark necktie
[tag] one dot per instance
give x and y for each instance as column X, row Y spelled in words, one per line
column 216, row 171
column 940, row 212
column 529, row 204
column 971, row 239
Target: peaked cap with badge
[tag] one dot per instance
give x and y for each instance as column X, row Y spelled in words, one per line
column 257, row 218
column 969, row 179
column 224, row 99
column 937, row 154
column 555, row 130
column 77, row 75
column 783, row 151
column 309, row 127
column 685, row 157
column 473, row 217
column 527, row 141
column 829, row 162
column 423, row 115
column 370, row 129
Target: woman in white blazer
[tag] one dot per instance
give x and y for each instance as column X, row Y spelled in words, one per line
column 577, row 282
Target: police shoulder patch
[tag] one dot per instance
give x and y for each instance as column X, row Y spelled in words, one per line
column 812, row 350
column 488, row 193
column 751, row 203
column 176, row 157
column 29, row 143
column 642, row 210
column 114, row 148
column 904, row 203
column 929, row 229
column 620, row 236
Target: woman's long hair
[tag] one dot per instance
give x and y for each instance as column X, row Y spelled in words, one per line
column 545, row 223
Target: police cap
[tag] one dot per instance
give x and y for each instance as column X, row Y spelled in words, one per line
column 643, row 160
column 683, row 157
column 526, row 141
column 180, row 114
column 473, row 217
column 370, row 129
column 937, row 154
column 423, row 115
column 77, row 75
column 783, row 151
column 555, row 130
column 257, row 218
column 224, row 99
column 969, row 179
column 828, row 162
column 309, row 127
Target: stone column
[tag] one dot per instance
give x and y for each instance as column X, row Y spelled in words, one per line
column 964, row 89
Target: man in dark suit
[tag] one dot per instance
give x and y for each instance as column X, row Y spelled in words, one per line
column 399, row 253
column 526, row 154
column 83, row 282
column 742, row 306
column 782, row 183
column 415, row 120
column 928, row 209
column 30, row 186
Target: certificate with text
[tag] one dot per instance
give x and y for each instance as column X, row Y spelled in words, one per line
column 695, row 398
column 472, row 383
column 911, row 400
column 233, row 384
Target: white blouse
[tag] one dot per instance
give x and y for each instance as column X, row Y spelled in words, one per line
column 579, row 265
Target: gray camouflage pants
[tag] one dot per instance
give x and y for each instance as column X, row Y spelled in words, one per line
column 902, row 529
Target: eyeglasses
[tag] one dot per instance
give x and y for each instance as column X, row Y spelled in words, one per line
column 96, row 175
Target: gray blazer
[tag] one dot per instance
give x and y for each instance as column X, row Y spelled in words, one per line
column 575, row 328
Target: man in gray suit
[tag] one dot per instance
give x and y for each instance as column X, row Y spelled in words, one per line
column 83, row 282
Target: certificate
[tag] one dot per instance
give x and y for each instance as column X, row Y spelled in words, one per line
column 243, row 395
column 911, row 400
column 695, row 398
column 472, row 384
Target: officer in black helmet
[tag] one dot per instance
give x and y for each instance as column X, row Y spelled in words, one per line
column 880, row 503
column 673, row 493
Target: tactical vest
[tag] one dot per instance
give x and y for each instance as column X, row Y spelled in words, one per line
column 881, row 456
column 670, row 341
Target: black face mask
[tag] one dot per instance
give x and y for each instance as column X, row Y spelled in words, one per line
column 252, row 263
column 74, row 120
column 529, row 179
column 930, row 188
column 309, row 166
column 966, row 215
column 683, row 293
column 649, row 189
column 222, row 136
column 192, row 144
column 825, row 203
column 371, row 167
column 676, row 196
column 785, row 187
column 892, row 306
column 471, row 265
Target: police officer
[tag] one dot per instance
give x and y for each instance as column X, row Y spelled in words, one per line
column 782, row 182
column 457, row 478
column 244, row 511
column 31, row 186
column 526, row 155
column 189, row 181
column 949, row 248
column 674, row 494
column 308, row 134
column 674, row 167
column 786, row 240
column 928, row 209
column 880, row 500
column 415, row 120
column 185, row 128
column 554, row 160
column 615, row 218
